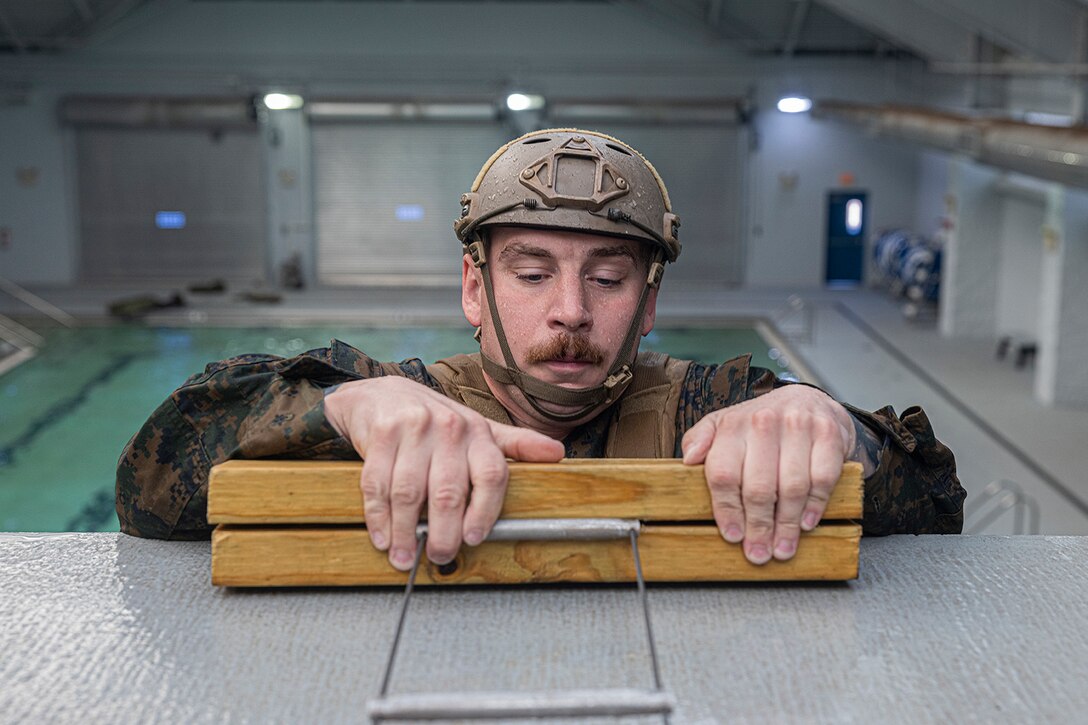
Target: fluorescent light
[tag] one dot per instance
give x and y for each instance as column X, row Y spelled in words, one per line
column 1041, row 118
column 282, row 101
column 794, row 104
column 524, row 102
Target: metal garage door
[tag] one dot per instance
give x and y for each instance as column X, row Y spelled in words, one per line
column 130, row 177
column 386, row 197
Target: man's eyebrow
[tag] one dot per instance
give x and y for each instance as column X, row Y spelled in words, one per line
column 521, row 249
column 617, row 251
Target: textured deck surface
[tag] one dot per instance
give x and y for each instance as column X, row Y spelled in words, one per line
column 105, row 627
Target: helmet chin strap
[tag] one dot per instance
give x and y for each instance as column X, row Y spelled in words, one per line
column 536, row 390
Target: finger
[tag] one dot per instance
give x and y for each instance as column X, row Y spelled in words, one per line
column 409, row 488
column 794, row 465
column 447, row 492
column 375, row 483
column 759, row 485
column 523, row 444
column 489, row 475
column 697, row 441
column 826, row 467
column 723, row 468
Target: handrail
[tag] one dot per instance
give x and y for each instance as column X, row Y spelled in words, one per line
column 28, row 297
column 1014, row 498
column 797, row 306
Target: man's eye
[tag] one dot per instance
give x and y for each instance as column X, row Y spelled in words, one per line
column 530, row 276
column 606, row 281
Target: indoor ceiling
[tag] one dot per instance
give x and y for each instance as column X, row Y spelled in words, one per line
column 938, row 31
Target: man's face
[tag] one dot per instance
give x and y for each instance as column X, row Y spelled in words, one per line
column 566, row 300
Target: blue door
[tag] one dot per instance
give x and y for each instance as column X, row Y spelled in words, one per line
column 846, row 218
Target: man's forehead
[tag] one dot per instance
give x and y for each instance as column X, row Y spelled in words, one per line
column 550, row 243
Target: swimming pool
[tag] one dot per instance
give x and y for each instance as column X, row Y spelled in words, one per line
column 66, row 414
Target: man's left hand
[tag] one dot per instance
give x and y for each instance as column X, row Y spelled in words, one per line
column 771, row 463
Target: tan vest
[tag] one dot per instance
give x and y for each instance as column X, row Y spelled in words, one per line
column 644, row 427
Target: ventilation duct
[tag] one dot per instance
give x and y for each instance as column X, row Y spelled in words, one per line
column 1046, row 152
column 199, row 113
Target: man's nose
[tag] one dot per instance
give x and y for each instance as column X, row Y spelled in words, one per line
column 570, row 306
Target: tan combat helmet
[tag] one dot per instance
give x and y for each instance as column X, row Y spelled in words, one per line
column 580, row 181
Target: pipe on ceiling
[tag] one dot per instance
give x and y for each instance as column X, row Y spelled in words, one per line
column 209, row 113
column 1046, row 152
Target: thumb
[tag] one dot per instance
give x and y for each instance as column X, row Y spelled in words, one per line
column 522, row 444
column 696, row 442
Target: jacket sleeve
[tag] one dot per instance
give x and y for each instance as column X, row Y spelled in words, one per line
column 914, row 489
column 246, row 407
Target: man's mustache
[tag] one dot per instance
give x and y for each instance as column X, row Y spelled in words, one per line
column 570, row 348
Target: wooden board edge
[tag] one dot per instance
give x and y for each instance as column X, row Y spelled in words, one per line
column 342, row 556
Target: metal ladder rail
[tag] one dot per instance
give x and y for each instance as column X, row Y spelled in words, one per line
column 22, row 341
column 1007, row 495
column 29, row 298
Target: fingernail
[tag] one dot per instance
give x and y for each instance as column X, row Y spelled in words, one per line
column 785, row 548
column 402, row 558
column 758, row 554
column 810, row 520
column 474, row 537
column 378, row 539
column 733, row 534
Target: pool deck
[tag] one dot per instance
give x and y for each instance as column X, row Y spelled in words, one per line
column 110, row 628
column 855, row 341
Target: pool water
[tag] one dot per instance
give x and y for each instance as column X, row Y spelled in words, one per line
column 66, row 414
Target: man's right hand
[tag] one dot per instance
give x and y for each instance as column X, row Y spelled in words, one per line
column 420, row 446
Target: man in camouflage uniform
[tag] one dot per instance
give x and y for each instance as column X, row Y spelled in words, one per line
column 566, row 234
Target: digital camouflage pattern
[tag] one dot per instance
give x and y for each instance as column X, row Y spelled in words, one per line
column 263, row 406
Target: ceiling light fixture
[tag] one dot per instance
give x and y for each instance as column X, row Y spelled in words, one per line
column 794, row 104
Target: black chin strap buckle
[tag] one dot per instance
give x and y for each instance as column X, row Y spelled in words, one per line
column 617, row 382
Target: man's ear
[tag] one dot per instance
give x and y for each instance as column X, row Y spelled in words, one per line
column 649, row 316
column 472, row 291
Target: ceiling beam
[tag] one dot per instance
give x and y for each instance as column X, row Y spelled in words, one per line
column 907, row 24
column 84, row 10
column 20, row 46
column 1047, row 32
column 797, row 24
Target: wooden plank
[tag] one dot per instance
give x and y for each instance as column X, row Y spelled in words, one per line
column 327, row 492
column 249, row 556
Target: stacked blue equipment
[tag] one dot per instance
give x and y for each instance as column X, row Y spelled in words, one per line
column 909, row 264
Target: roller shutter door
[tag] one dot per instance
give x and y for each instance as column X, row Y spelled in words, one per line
column 127, row 176
column 386, row 196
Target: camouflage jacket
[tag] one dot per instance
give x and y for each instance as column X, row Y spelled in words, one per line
column 263, row 406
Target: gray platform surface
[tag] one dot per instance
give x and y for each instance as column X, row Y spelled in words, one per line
column 109, row 628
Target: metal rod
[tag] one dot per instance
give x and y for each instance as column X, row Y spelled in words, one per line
column 421, row 540
column 645, row 597
column 557, row 529
column 501, row 705
column 36, row 302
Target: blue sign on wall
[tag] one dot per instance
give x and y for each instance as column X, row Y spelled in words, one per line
column 170, row 219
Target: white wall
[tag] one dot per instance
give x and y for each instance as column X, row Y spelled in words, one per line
column 931, row 205
column 39, row 214
column 787, row 226
column 1021, row 248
